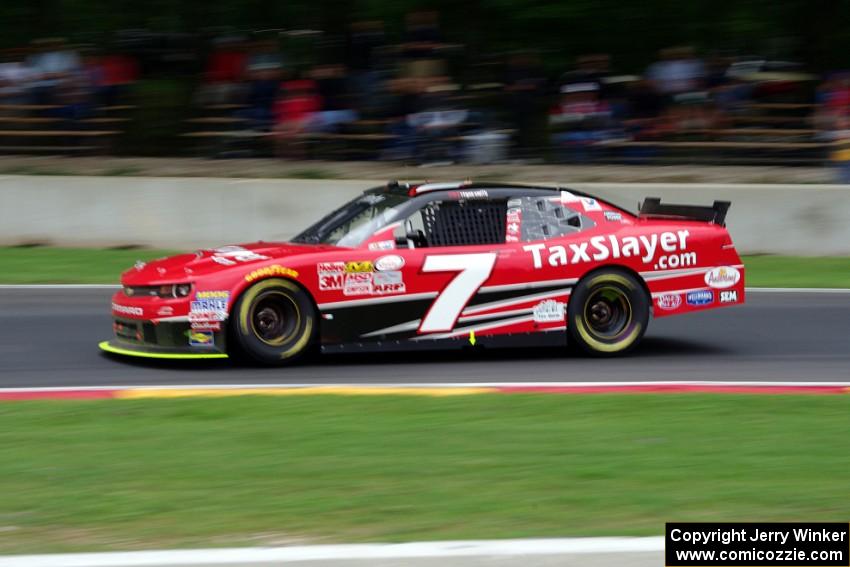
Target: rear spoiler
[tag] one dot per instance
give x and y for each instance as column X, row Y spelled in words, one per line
column 652, row 208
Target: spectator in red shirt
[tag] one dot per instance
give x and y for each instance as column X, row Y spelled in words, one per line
column 295, row 112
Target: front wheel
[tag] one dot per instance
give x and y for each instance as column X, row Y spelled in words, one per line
column 274, row 322
column 608, row 313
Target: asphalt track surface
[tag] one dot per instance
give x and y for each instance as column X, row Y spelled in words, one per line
column 48, row 337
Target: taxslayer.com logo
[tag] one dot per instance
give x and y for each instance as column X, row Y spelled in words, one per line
column 722, row 277
column 645, row 246
column 669, row 301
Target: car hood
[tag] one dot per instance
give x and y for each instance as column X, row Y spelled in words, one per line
column 187, row 267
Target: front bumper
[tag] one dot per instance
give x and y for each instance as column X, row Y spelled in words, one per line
column 137, row 337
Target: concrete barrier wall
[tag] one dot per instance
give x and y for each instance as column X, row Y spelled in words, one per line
column 186, row 213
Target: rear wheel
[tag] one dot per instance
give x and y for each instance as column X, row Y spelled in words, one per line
column 608, row 313
column 274, row 322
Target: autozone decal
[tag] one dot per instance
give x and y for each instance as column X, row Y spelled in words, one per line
column 599, row 248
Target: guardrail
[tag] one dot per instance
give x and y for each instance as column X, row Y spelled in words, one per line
column 187, row 213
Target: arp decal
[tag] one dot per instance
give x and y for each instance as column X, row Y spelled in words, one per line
column 669, row 301
column 722, row 277
column 599, row 248
column 702, row 297
column 384, row 283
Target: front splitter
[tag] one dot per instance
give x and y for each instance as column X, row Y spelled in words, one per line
column 127, row 350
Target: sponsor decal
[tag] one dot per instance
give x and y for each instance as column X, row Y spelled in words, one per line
column 598, row 248
column 209, row 306
column 201, row 338
column 549, row 311
column 702, row 297
column 139, row 265
column 722, row 277
column 382, row 245
column 359, row 266
column 389, row 263
column 205, row 326
column 358, row 283
column 126, row 310
column 669, row 301
column 590, row 204
column 613, row 216
column 270, row 271
column 230, row 255
column 513, row 226
column 212, row 294
column 473, row 194
column 331, row 275
column 384, row 283
column 729, row 296
column 165, row 311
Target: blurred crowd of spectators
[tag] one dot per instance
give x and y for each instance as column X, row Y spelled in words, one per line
column 69, row 82
column 425, row 105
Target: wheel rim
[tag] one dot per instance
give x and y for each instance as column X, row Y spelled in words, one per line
column 607, row 312
column 274, row 318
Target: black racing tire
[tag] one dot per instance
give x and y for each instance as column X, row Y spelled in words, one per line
column 274, row 322
column 608, row 312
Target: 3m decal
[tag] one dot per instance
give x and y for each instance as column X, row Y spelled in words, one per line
column 669, row 301
column 331, row 275
column 722, row 277
column 599, row 248
column 271, row 271
column 473, row 270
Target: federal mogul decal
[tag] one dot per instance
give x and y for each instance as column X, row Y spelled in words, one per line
column 599, row 248
column 271, row 271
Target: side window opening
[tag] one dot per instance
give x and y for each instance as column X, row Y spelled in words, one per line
column 463, row 223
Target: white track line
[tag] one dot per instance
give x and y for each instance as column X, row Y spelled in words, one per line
column 713, row 383
column 366, row 551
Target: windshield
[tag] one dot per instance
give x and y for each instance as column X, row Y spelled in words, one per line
column 355, row 221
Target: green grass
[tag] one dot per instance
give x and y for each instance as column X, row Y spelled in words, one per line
column 28, row 265
column 791, row 271
column 122, row 474
column 20, row 265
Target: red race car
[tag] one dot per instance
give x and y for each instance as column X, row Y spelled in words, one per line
column 438, row 265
